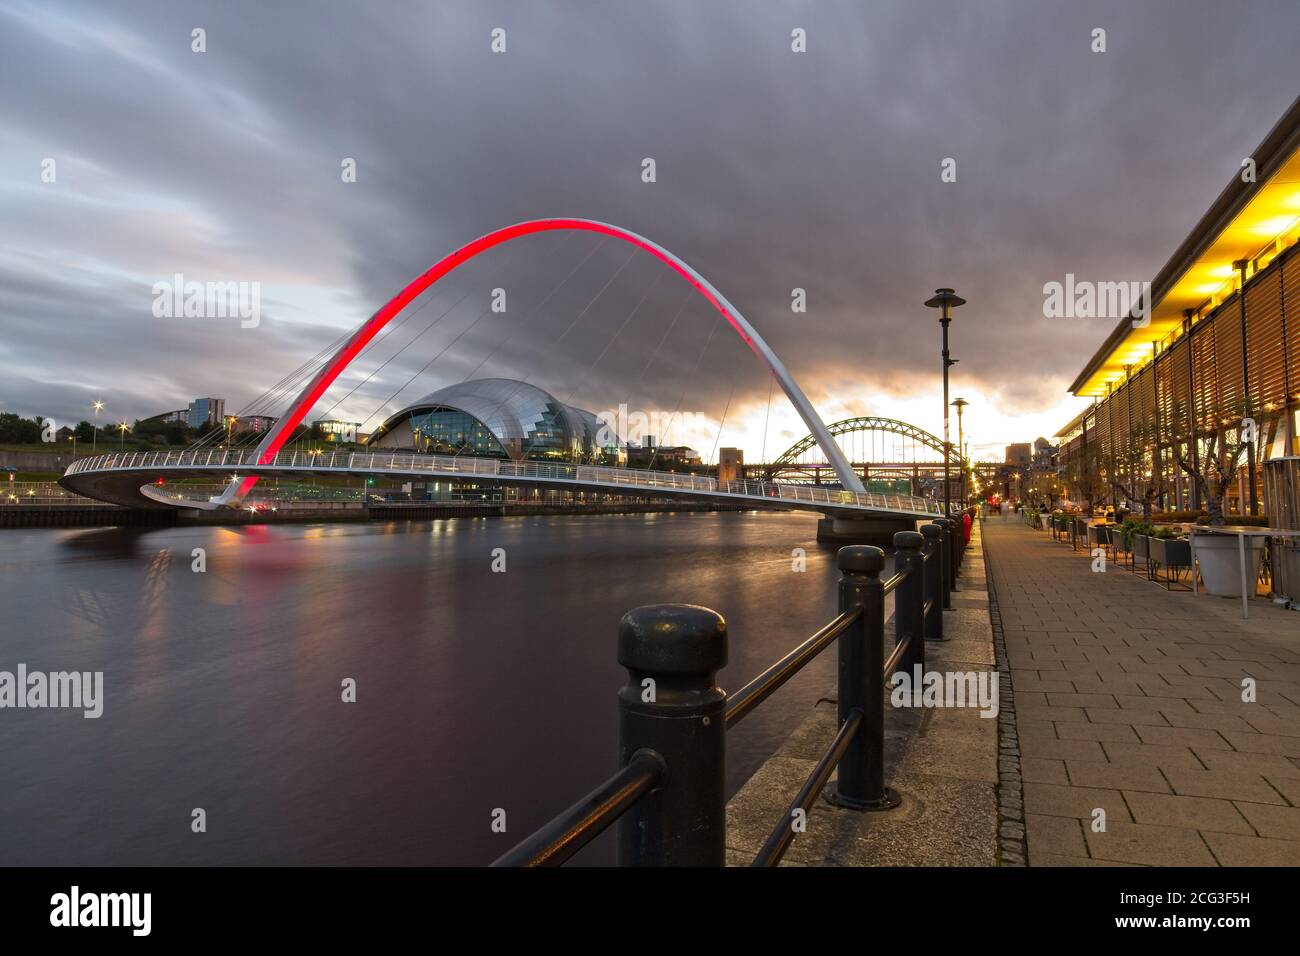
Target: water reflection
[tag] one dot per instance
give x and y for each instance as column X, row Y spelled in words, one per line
column 475, row 689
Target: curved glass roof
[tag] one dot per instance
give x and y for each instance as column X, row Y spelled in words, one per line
column 525, row 420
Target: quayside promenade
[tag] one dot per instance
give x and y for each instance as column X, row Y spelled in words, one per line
column 942, row 762
column 1128, row 701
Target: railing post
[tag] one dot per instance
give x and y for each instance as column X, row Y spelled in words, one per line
column 672, row 707
column 861, row 783
column 934, row 580
column 909, row 598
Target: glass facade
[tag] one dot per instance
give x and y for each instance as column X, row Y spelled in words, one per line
column 494, row 418
column 448, row 431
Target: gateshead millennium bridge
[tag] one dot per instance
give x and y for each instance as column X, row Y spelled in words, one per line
column 135, row 479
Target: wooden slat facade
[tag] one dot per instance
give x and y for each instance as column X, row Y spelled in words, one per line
column 1201, row 374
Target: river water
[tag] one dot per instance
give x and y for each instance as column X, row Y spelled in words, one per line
column 475, row 690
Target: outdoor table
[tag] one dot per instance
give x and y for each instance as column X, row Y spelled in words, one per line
column 1241, row 533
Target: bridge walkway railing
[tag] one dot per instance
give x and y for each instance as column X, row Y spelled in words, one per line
column 498, row 468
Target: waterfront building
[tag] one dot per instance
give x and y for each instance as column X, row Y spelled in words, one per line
column 1215, row 344
column 663, row 457
column 334, row 430
column 497, row 418
column 731, row 464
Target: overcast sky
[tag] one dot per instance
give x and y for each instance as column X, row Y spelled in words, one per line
column 774, row 170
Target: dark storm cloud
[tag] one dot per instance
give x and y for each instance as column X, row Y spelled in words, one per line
column 775, row 170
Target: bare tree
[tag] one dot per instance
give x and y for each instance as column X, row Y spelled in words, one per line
column 1138, row 478
column 1215, row 471
column 1083, row 472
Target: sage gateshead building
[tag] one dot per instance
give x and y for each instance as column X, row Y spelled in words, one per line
column 1207, row 373
column 498, row 418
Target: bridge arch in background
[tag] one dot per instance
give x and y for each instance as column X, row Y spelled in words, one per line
column 350, row 349
column 790, row 457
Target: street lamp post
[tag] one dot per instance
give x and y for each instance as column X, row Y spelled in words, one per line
column 121, row 442
column 946, row 300
column 959, row 403
column 94, row 437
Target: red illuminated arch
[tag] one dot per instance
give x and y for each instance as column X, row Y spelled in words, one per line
column 308, row 397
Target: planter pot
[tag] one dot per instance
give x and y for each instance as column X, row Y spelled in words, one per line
column 1141, row 547
column 1172, row 552
column 1220, row 563
column 1095, row 532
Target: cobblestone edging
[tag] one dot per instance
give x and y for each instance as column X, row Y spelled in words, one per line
column 1012, row 848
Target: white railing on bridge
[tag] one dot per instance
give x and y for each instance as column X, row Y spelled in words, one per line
column 496, row 468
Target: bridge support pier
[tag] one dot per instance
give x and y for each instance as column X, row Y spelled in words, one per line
column 877, row 530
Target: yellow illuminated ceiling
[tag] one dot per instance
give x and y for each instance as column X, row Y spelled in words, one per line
column 1268, row 223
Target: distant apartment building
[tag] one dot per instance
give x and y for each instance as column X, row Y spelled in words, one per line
column 661, row 457
column 1020, row 454
column 253, row 424
column 206, row 411
column 731, row 464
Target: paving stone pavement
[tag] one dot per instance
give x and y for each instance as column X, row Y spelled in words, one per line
column 1129, row 700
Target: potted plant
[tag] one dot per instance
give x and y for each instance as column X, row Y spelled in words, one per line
column 1170, row 552
column 1078, row 530
column 1218, row 558
column 1121, row 536
column 1139, row 540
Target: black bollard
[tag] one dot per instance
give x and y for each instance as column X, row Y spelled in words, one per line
column 945, row 561
column 934, row 580
column 672, row 708
column 861, row 775
column 909, row 597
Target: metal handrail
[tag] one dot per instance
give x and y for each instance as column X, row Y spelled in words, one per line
column 577, row 826
column 782, row 835
column 896, row 656
column 676, row 651
column 765, row 684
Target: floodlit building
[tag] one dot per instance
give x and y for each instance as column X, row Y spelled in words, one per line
column 731, row 464
column 1216, row 343
column 334, row 430
column 498, row 418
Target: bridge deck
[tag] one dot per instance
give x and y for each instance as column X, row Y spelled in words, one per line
column 126, row 479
